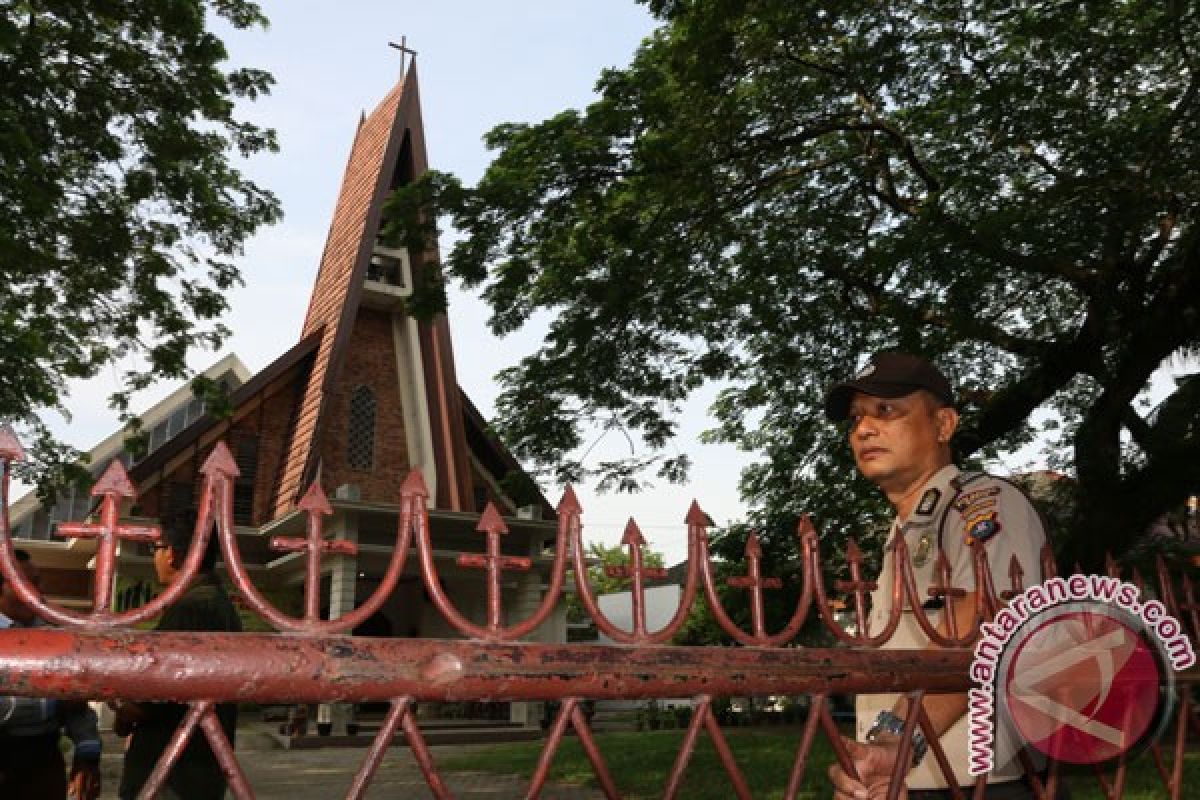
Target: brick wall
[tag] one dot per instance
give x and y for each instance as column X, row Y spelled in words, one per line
column 370, row 361
column 274, row 427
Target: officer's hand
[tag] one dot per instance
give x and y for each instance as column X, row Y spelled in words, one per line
column 84, row 781
column 874, row 764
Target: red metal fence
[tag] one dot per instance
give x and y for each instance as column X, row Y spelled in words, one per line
column 97, row 656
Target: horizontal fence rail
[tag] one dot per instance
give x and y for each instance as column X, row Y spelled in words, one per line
column 273, row 669
column 95, row 655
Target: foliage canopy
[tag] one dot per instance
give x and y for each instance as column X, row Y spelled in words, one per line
column 123, row 205
column 773, row 189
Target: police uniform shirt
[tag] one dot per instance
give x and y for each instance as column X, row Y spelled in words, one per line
column 954, row 509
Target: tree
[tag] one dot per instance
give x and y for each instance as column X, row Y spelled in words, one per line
column 775, row 188
column 123, row 208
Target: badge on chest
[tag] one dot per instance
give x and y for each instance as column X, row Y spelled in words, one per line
column 923, row 548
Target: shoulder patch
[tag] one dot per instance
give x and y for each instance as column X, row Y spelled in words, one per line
column 972, row 504
column 982, row 527
column 929, row 502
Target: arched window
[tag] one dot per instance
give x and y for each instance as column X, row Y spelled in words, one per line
column 360, row 447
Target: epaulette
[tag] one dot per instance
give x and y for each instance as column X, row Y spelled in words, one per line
column 963, row 478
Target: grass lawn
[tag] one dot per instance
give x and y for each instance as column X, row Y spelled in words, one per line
column 641, row 762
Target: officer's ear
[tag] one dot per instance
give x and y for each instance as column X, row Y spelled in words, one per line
column 945, row 422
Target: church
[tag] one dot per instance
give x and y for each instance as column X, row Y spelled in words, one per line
column 366, row 394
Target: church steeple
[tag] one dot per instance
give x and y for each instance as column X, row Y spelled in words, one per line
column 399, row 369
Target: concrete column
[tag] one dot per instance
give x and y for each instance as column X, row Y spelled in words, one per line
column 343, row 580
column 521, row 603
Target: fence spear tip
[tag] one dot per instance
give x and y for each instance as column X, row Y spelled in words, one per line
column 315, row 500
column 853, row 552
column 414, row 485
column 491, row 521
column 633, row 535
column 696, row 516
column 114, row 480
column 10, row 445
column 1015, row 570
column 569, row 504
column 220, row 462
column 753, row 546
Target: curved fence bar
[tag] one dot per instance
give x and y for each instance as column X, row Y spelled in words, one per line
column 494, row 562
column 1189, row 605
column 1049, row 565
column 697, row 522
column 985, row 587
column 949, row 595
column 755, row 582
column 99, row 617
column 859, row 587
column 315, row 505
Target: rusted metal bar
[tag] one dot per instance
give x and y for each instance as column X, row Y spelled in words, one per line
column 174, row 749
column 270, row 668
column 201, row 715
column 222, row 750
column 568, row 514
column 740, row 787
column 697, row 521
column 796, row 777
column 493, row 527
column 686, row 748
column 88, row 660
column 916, row 711
column 550, row 748
column 100, row 617
column 378, row 749
column 937, row 753
column 1176, row 784
column 916, row 605
column 400, row 712
column 421, row 754
column 862, row 637
column 592, row 750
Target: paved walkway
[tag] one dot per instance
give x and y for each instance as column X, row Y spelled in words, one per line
column 324, row 774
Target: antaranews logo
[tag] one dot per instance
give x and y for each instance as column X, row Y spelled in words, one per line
column 1078, row 668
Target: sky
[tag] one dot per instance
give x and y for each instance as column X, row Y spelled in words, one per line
column 480, row 64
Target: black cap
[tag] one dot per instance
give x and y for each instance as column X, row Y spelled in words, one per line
column 889, row 375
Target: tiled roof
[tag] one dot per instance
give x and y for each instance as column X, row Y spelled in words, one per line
column 335, row 296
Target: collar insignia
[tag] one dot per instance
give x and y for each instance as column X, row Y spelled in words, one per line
column 929, row 502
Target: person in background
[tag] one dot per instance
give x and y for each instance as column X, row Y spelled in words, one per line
column 205, row 606
column 31, row 763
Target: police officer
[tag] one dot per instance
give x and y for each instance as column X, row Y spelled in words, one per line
column 900, row 414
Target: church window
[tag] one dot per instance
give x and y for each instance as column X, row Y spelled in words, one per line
column 360, row 447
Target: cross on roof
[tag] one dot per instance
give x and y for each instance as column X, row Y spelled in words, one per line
column 404, row 50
